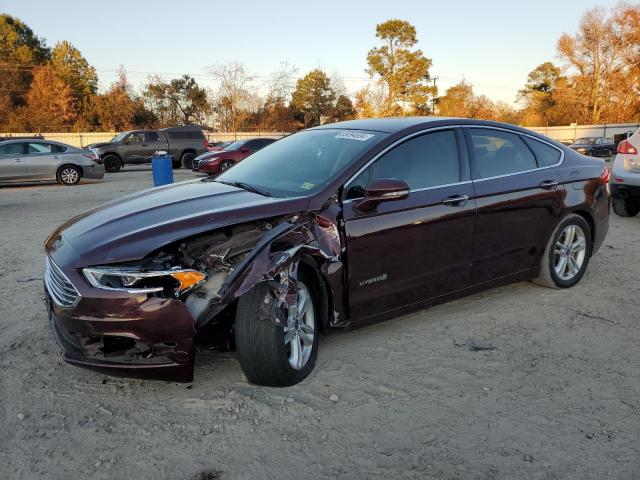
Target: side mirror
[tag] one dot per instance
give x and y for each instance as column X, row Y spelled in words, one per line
column 382, row 190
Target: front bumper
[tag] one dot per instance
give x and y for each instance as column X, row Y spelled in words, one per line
column 93, row 171
column 133, row 336
column 210, row 168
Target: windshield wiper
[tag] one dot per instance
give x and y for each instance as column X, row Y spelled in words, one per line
column 248, row 187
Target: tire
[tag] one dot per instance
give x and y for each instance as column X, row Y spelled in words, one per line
column 260, row 343
column 551, row 260
column 69, row 175
column 625, row 206
column 225, row 165
column 111, row 163
column 187, row 160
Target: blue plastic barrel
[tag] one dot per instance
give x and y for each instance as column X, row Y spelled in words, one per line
column 162, row 168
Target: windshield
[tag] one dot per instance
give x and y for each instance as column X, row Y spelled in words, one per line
column 119, row 137
column 236, row 145
column 585, row 140
column 302, row 163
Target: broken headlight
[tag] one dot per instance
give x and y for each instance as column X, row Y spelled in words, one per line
column 173, row 282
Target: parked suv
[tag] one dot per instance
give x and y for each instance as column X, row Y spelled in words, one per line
column 216, row 162
column 138, row 146
column 37, row 159
column 625, row 182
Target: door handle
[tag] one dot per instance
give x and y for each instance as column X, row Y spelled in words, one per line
column 548, row 184
column 455, row 200
column 56, row 157
column 17, row 160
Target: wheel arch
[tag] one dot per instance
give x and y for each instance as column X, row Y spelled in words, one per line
column 588, row 217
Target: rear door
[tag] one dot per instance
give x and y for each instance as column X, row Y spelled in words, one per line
column 518, row 199
column 12, row 162
column 154, row 143
column 43, row 159
column 410, row 250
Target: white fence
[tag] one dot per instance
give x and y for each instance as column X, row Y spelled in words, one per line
column 571, row 132
column 80, row 139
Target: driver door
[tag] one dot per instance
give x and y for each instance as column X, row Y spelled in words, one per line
column 417, row 248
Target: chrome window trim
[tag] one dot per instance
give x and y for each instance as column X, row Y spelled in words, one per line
column 487, row 127
column 466, row 182
column 392, row 146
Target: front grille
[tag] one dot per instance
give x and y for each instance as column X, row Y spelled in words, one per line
column 62, row 291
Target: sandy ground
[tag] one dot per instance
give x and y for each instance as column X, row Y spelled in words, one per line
column 559, row 397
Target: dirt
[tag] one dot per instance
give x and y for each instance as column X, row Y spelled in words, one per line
column 554, row 392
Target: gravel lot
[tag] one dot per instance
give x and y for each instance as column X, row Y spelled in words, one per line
column 559, row 397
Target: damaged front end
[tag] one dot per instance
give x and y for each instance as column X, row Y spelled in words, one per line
column 156, row 307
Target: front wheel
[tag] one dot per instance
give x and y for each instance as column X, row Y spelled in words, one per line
column 187, row 160
column 69, row 175
column 567, row 254
column 111, row 163
column 277, row 355
column 625, row 206
column 226, row 165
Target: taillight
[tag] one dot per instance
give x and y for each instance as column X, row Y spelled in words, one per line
column 92, row 156
column 605, row 175
column 625, row 147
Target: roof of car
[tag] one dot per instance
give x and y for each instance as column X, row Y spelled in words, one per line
column 396, row 124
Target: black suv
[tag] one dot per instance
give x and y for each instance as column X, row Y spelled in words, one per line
column 138, row 146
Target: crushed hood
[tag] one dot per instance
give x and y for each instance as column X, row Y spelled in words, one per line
column 133, row 226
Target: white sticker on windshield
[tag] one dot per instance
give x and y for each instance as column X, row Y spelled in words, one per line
column 355, row 135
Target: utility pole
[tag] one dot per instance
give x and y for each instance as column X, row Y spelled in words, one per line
column 433, row 98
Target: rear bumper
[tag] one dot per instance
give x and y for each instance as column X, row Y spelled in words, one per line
column 624, row 190
column 132, row 337
column 93, row 171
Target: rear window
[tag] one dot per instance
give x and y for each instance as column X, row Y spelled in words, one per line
column 545, row 154
column 11, row 149
column 500, row 153
column 41, row 147
column 186, row 135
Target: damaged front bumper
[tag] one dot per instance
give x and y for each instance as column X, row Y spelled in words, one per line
column 132, row 337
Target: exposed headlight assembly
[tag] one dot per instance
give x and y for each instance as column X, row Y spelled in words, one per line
column 173, row 282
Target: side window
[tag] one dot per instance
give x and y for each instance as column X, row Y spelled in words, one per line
column 599, row 141
column 253, row 145
column 152, row 136
column 499, row 153
column 429, row 160
column 57, row 148
column 136, row 137
column 39, row 148
column 545, row 154
column 12, row 149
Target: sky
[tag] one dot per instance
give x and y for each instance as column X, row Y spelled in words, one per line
column 492, row 44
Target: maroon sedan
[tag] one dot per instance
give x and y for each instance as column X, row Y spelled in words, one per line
column 216, row 162
column 335, row 226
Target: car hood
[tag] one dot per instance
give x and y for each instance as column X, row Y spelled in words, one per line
column 101, row 145
column 133, row 226
column 207, row 155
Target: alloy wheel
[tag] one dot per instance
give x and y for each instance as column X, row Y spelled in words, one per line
column 69, row 175
column 299, row 333
column 570, row 252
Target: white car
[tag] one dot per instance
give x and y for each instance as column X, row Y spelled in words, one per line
column 625, row 178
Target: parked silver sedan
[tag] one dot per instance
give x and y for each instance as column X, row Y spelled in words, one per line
column 38, row 160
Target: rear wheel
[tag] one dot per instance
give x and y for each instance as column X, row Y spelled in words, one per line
column 187, row 160
column 278, row 355
column 111, row 163
column 625, row 206
column 567, row 254
column 69, row 175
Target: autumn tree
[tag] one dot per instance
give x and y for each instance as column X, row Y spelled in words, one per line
column 233, row 92
column 180, row 101
column 20, row 50
column 314, row 97
column 601, row 61
column 403, row 69
column 343, row 109
column 460, row 101
column 116, row 108
column 50, row 103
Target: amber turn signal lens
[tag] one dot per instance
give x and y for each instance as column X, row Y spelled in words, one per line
column 188, row 279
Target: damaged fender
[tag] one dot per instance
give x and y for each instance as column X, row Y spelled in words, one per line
column 275, row 259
